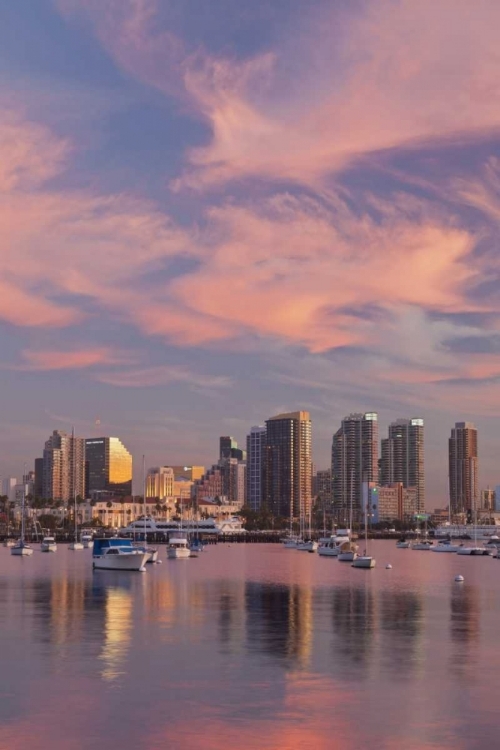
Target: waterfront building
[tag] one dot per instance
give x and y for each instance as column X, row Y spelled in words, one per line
column 488, row 499
column 160, row 482
column 354, row 461
column 497, row 498
column 463, row 469
column 390, row 503
column 211, row 484
column 402, row 457
column 287, row 485
column 9, row 488
column 256, row 449
column 63, row 467
column 108, row 466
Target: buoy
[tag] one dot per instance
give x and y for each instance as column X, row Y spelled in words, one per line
column 459, row 579
column 388, row 566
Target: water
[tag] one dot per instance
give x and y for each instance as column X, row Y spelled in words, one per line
column 250, row 646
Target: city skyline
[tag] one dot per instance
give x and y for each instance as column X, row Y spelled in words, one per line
column 208, row 218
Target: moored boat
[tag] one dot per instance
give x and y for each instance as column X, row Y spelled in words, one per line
column 9, row 542
column 307, row 546
column 445, row 546
column 348, row 552
column 48, row 544
column 403, row 543
column 21, row 549
column 117, row 554
column 87, row 540
column 178, row 547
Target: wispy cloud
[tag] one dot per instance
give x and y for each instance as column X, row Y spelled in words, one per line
column 162, row 375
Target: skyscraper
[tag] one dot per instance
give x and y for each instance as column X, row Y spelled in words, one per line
column 63, row 466
column 354, row 461
column 403, row 457
column 463, row 468
column 108, row 466
column 256, row 447
column 287, row 490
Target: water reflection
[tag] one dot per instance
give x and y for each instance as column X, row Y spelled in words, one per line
column 400, row 621
column 353, row 616
column 464, row 614
column 279, row 620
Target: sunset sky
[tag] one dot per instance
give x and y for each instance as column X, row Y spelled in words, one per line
column 213, row 211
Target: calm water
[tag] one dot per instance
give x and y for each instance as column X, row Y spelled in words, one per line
column 252, row 647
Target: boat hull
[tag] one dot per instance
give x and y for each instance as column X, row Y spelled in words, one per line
column 347, row 556
column 178, row 553
column 422, row 547
column 131, row 562
column 307, row 546
column 21, row 551
column 76, row 546
column 473, row 551
column 364, row 561
column 49, row 547
column 290, row 544
column 403, row 545
column 449, row 548
column 88, row 544
column 328, row 551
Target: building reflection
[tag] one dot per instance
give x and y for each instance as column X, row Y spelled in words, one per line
column 353, row 625
column 464, row 627
column 117, row 632
column 401, row 620
column 279, row 620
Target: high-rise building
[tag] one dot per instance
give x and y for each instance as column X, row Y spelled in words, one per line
column 287, row 486
column 38, row 484
column 322, row 485
column 228, row 448
column 390, row 503
column 108, row 467
column 463, row 468
column 403, row 457
column 354, row 462
column 256, row 449
column 63, row 467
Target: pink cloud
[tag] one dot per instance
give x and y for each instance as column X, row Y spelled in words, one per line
column 69, row 360
column 162, row 375
column 390, row 75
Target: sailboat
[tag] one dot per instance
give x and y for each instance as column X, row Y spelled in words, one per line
column 474, row 551
column 76, row 545
column 308, row 545
column 365, row 560
column 348, row 550
column 21, row 548
column 422, row 544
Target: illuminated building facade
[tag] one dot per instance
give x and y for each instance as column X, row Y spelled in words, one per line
column 108, row 466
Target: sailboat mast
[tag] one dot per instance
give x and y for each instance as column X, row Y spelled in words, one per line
column 73, row 447
column 144, row 492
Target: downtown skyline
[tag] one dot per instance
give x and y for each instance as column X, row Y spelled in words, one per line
column 209, row 218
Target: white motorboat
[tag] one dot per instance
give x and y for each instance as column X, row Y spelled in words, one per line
column 329, row 549
column 403, row 543
column 474, row 551
column 9, row 543
column 445, row 546
column 422, row 545
column 364, row 561
column 87, row 540
column 21, row 549
column 178, row 547
column 76, row 545
column 307, row 546
column 348, row 552
column 48, row 544
column 118, row 554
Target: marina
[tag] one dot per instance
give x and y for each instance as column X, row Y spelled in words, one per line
column 269, row 644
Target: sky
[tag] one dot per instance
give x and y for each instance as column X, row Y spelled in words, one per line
column 212, row 212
